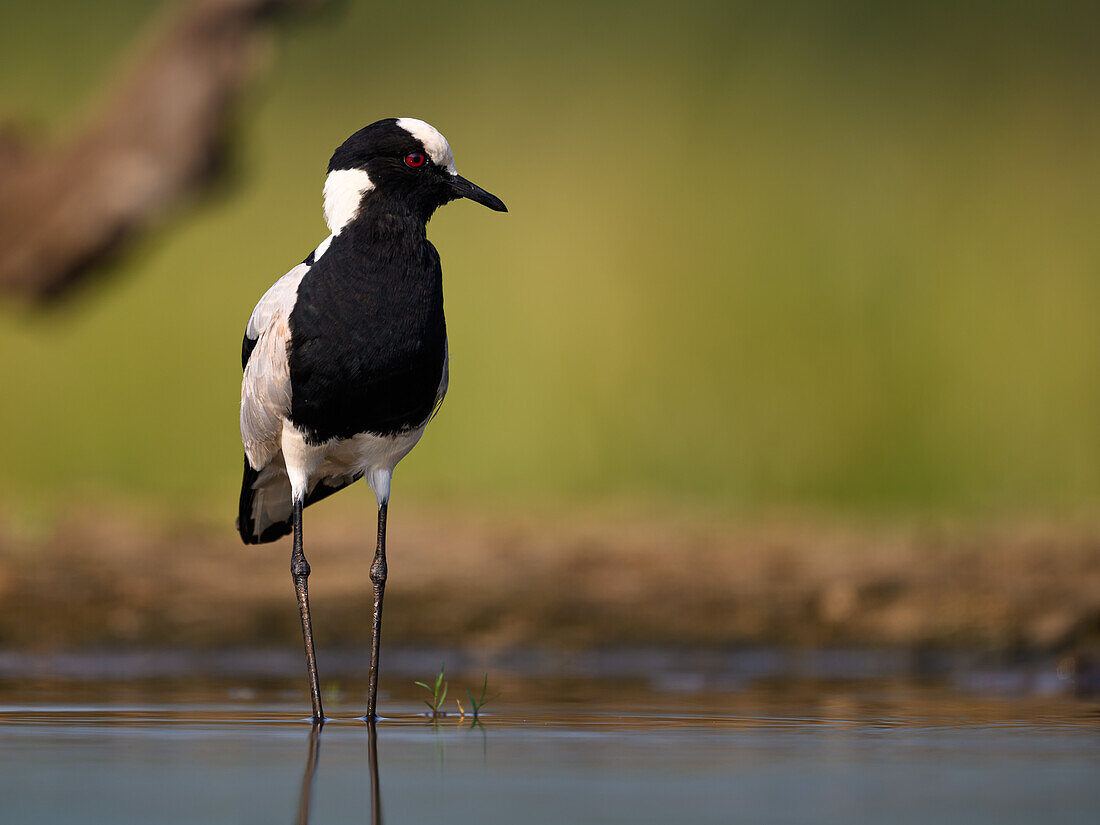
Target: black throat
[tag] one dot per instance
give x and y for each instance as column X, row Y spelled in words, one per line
column 368, row 335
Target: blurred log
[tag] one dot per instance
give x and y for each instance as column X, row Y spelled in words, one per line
column 160, row 136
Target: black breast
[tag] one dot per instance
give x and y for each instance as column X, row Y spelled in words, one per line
column 368, row 336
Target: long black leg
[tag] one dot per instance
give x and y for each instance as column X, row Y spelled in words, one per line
column 299, row 570
column 378, row 578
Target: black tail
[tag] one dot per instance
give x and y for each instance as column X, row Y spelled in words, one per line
column 246, row 524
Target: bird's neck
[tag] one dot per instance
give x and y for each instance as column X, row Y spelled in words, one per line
column 384, row 256
column 384, row 217
column 389, row 255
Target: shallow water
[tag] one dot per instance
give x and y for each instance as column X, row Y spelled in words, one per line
column 572, row 750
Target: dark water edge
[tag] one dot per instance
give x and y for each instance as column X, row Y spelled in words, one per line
column 668, row 670
column 630, row 736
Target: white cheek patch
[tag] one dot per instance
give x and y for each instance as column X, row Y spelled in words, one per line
column 344, row 189
column 434, row 143
column 322, row 248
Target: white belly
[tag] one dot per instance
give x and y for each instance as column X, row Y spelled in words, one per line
column 340, row 460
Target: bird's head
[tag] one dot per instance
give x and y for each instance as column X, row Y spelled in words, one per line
column 404, row 165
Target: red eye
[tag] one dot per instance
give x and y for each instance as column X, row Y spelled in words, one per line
column 415, row 160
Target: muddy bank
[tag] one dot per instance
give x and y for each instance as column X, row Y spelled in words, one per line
column 560, row 581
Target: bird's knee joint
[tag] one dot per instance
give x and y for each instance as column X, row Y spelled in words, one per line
column 299, row 568
column 378, row 572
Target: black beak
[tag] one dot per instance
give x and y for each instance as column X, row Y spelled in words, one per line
column 465, row 189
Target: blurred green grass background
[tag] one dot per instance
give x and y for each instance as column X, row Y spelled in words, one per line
column 840, row 256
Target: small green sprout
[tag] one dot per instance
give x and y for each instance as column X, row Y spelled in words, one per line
column 332, row 693
column 481, row 701
column 438, row 693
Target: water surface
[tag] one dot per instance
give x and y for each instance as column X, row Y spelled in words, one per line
column 580, row 750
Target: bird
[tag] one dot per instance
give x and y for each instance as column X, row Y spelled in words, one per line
column 346, row 356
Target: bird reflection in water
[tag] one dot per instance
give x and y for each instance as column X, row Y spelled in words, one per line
column 375, row 790
column 310, row 772
column 307, row 777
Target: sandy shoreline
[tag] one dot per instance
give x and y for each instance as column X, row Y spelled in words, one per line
column 498, row 582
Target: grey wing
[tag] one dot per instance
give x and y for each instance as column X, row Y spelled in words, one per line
column 444, row 380
column 265, row 388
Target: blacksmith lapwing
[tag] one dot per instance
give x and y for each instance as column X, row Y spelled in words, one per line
column 345, row 357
